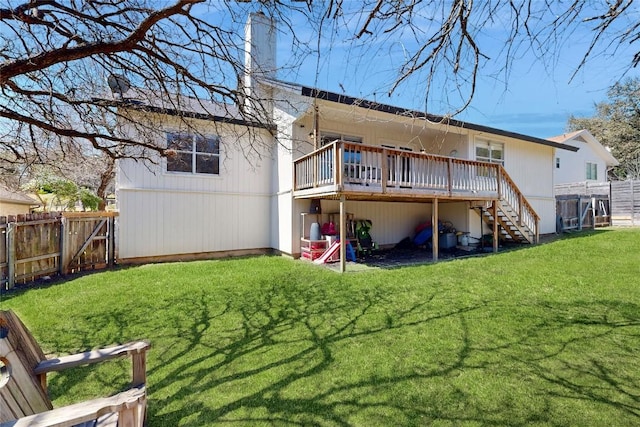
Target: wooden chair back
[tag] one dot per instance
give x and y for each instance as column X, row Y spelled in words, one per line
column 21, row 392
column 23, row 383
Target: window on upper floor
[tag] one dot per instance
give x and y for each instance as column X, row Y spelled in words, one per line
column 196, row 154
column 399, row 167
column 592, row 171
column 489, row 151
column 327, row 138
column 353, row 171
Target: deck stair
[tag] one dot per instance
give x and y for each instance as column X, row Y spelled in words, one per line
column 510, row 228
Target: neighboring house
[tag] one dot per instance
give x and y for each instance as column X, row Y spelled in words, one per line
column 393, row 166
column 15, row 202
column 590, row 163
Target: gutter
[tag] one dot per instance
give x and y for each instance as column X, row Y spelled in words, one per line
column 140, row 106
column 403, row 112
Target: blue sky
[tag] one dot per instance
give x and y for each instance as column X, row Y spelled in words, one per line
column 536, row 96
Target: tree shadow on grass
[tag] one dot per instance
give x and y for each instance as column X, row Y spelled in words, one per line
column 284, row 338
column 587, row 351
column 291, row 353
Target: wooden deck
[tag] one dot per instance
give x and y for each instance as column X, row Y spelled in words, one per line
column 380, row 173
column 356, row 171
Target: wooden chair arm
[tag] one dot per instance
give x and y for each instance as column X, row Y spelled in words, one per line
column 129, row 406
column 136, row 349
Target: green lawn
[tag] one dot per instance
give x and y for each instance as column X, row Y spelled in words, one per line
column 546, row 335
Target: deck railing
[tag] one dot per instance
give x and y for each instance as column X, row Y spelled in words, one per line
column 343, row 166
column 392, row 170
column 511, row 195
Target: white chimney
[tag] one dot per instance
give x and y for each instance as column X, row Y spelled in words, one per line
column 259, row 57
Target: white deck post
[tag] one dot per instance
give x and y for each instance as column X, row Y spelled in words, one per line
column 343, row 235
column 435, row 231
column 494, row 212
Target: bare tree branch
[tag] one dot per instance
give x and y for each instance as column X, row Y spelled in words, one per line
column 83, row 50
column 56, row 55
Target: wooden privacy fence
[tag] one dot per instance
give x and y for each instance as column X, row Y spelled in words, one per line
column 582, row 205
column 575, row 212
column 584, row 188
column 38, row 245
column 623, row 198
column 625, row 202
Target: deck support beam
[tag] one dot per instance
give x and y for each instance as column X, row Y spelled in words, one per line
column 494, row 212
column 435, row 230
column 343, row 235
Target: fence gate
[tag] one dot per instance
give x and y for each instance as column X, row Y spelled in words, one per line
column 40, row 245
column 575, row 212
column 33, row 247
column 86, row 242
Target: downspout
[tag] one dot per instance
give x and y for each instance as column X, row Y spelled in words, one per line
column 316, row 125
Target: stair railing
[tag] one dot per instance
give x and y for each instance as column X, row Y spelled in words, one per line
column 521, row 210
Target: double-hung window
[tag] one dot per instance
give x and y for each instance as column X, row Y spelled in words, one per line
column 196, row 154
column 490, row 152
column 399, row 167
column 327, row 138
column 592, row 171
column 353, row 170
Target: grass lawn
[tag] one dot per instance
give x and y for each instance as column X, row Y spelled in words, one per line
column 546, row 335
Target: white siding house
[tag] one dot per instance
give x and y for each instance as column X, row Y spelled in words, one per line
column 590, row 163
column 186, row 212
column 410, row 166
